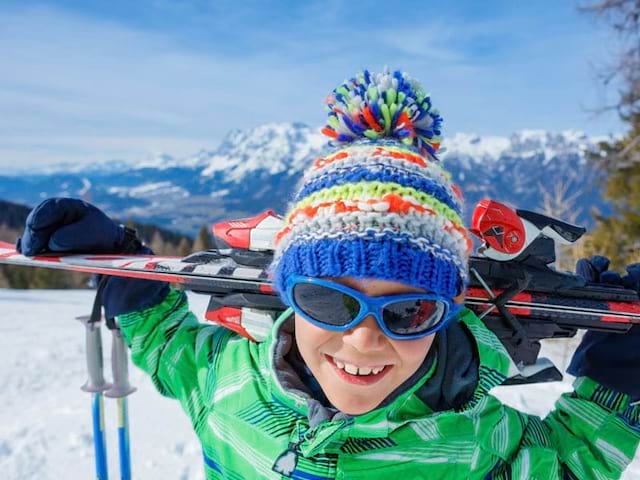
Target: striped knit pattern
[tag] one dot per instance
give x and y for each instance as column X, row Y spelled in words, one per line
column 379, row 205
column 376, row 209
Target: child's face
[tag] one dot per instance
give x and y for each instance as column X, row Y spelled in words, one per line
column 364, row 346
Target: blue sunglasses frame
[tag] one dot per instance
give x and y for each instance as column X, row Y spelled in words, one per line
column 370, row 306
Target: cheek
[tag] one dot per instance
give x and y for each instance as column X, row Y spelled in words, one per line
column 413, row 352
column 310, row 338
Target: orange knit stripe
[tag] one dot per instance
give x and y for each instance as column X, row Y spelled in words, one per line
column 408, row 156
column 377, row 152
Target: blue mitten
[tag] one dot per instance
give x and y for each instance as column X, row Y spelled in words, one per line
column 611, row 359
column 69, row 225
column 72, row 225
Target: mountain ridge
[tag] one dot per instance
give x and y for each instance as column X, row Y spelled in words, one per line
column 252, row 170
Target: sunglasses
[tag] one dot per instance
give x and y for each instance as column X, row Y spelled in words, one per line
column 333, row 306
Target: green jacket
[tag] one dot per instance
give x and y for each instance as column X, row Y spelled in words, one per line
column 255, row 418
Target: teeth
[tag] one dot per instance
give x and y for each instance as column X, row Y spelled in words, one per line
column 354, row 370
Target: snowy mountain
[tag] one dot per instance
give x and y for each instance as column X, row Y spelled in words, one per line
column 256, row 169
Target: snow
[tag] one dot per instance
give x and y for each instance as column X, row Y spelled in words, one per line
column 164, row 161
column 86, row 186
column 274, row 147
column 470, row 150
column 45, row 419
column 148, row 190
column 475, row 147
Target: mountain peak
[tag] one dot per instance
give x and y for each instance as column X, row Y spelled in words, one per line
column 256, row 168
column 472, row 148
column 275, row 147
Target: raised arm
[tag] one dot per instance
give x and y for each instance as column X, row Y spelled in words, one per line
column 596, row 428
column 177, row 351
column 165, row 338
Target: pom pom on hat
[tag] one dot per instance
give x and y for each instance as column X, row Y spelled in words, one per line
column 384, row 105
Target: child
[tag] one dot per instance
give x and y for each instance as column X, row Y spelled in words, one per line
column 375, row 371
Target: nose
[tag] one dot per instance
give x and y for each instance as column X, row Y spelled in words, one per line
column 366, row 336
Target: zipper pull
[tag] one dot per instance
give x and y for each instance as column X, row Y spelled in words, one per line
column 287, row 462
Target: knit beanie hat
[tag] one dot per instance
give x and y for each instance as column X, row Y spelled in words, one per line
column 379, row 204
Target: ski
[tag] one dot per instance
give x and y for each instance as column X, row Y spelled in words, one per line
column 512, row 285
column 213, row 273
column 206, row 272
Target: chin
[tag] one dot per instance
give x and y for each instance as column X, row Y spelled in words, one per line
column 354, row 406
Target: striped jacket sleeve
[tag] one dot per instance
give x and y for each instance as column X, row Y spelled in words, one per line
column 595, row 431
column 176, row 350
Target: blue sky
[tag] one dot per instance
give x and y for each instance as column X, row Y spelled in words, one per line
column 92, row 81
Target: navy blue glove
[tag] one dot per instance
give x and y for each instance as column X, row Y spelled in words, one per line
column 69, row 225
column 72, row 225
column 611, row 359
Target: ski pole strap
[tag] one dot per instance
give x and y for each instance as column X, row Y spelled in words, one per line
column 96, row 311
column 111, row 324
column 130, row 241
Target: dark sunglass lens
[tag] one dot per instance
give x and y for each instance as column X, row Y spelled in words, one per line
column 413, row 316
column 325, row 304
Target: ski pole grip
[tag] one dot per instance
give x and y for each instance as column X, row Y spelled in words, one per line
column 119, row 367
column 93, row 343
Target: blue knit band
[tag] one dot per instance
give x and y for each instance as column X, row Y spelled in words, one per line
column 381, row 258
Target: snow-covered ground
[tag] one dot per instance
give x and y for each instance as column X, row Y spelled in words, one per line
column 45, row 419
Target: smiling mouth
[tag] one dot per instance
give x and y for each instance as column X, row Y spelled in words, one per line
column 358, row 375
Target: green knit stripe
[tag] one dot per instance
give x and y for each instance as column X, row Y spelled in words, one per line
column 372, row 190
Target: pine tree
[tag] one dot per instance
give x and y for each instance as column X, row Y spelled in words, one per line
column 4, row 280
column 203, row 240
column 184, row 247
column 618, row 235
column 158, row 245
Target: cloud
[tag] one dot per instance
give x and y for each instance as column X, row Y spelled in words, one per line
column 165, row 76
column 64, row 75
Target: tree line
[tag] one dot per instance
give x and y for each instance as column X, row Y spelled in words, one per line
column 618, row 235
column 160, row 240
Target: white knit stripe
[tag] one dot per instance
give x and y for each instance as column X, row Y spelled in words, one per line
column 363, row 158
column 419, row 225
column 423, row 244
column 366, row 151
